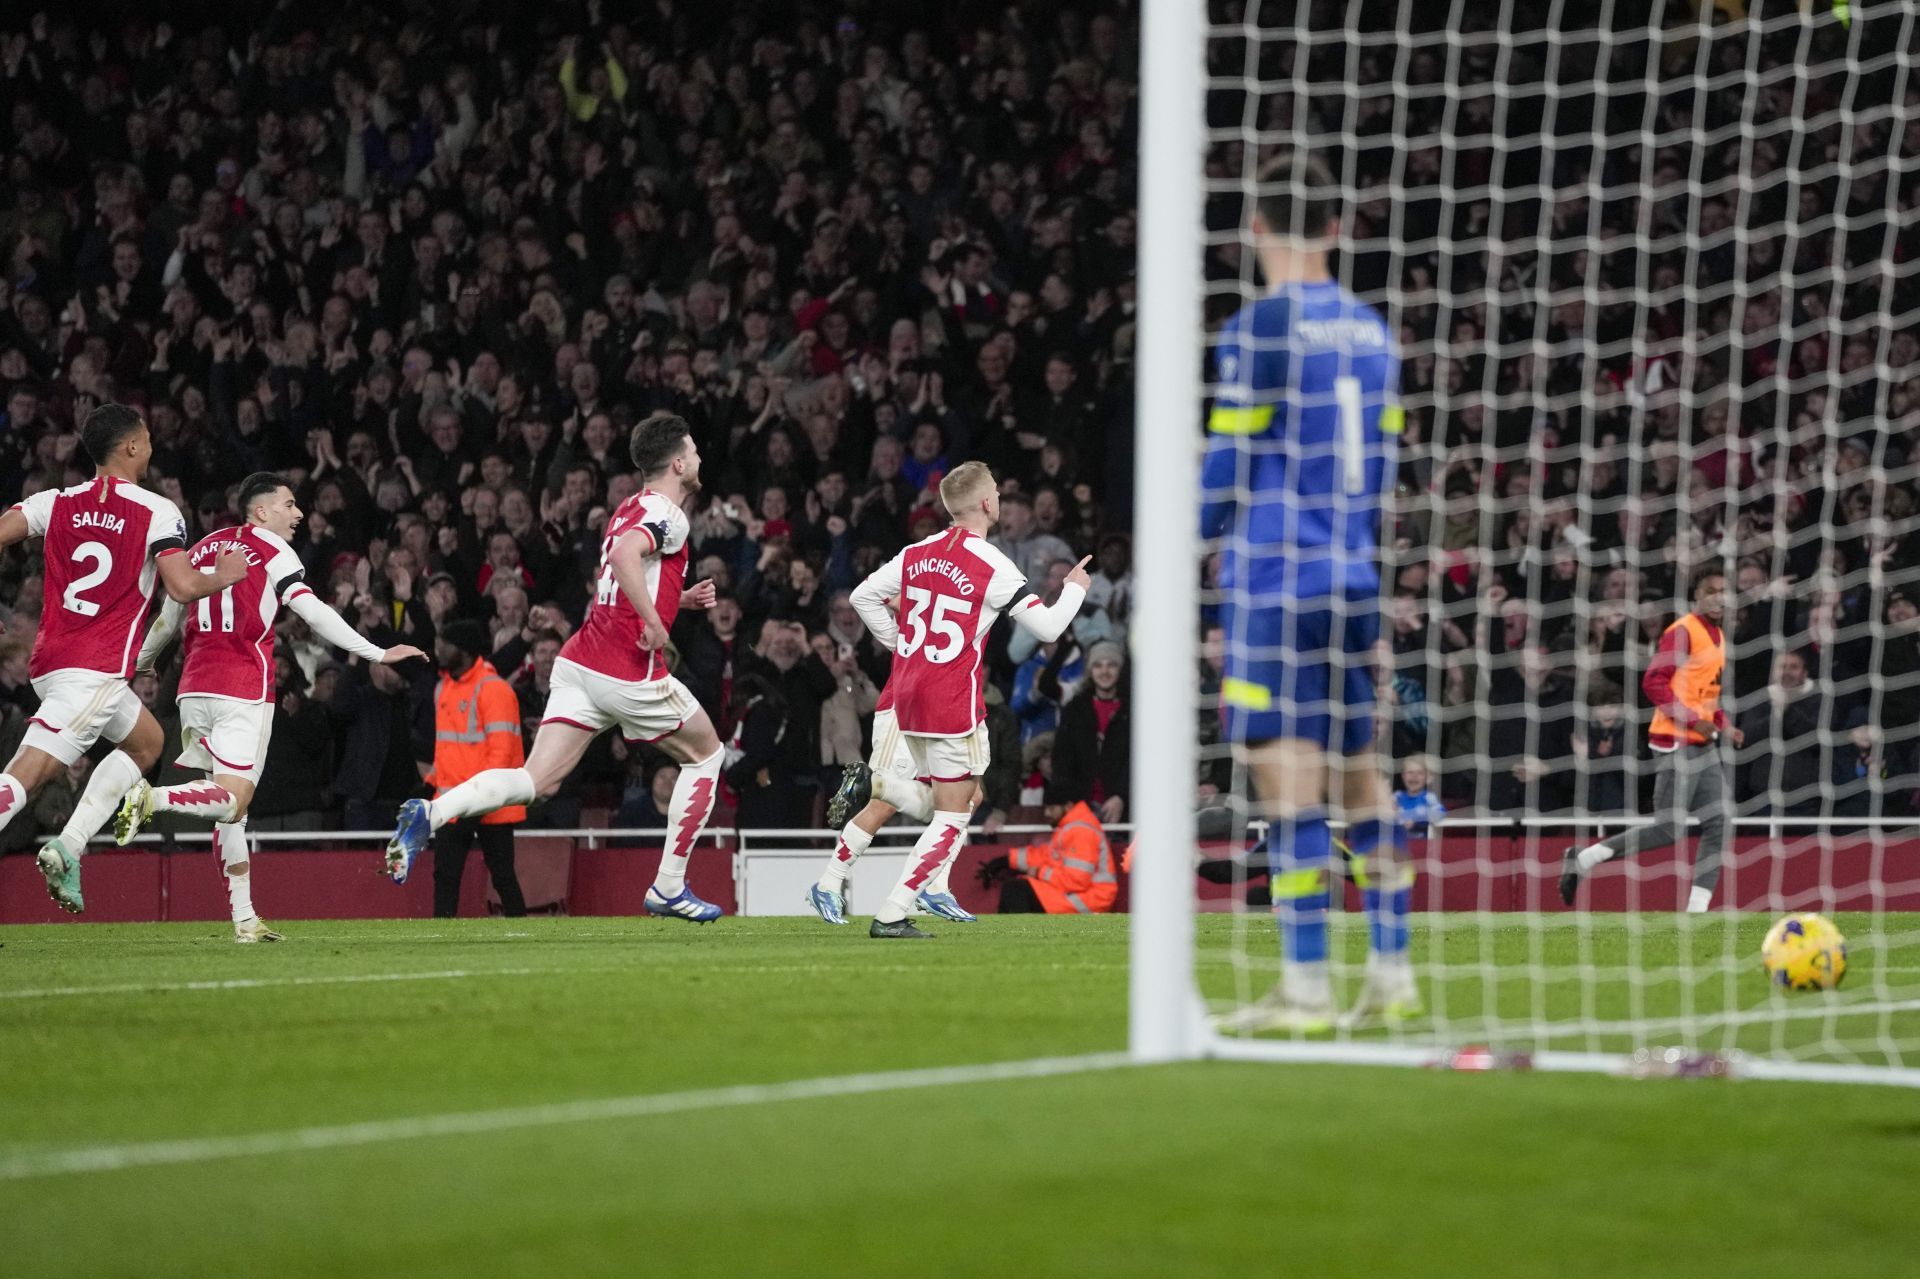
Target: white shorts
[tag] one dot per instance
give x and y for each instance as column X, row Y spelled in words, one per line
column 221, row 735
column 77, row 709
column 933, row 759
column 890, row 757
column 642, row 711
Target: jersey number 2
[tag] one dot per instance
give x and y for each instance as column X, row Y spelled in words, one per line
column 944, row 627
column 102, row 560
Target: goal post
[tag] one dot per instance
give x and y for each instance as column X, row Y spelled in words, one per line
column 1654, row 276
column 1165, row 1015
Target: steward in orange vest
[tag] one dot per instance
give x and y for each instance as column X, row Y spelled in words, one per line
column 476, row 723
column 1683, row 683
column 1072, row 873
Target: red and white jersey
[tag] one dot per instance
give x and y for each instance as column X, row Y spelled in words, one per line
column 609, row 642
column 102, row 538
column 229, row 635
column 948, row 592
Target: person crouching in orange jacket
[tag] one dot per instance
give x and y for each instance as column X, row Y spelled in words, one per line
column 1074, row 873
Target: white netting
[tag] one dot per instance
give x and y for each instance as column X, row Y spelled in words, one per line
column 1655, row 279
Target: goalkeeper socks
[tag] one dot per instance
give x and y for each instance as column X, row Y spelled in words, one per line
column 230, row 841
column 687, row 814
column 1386, row 889
column 939, row 844
column 112, row 778
column 1302, row 849
column 201, row 799
column 481, row 794
column 915, row 799
column 854, row 841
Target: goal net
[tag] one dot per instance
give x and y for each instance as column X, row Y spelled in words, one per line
column 1653, row 272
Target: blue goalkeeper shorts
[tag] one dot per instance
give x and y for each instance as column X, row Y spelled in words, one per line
column 1301, row 668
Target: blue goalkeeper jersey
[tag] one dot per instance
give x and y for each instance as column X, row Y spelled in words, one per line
column 1299, row 452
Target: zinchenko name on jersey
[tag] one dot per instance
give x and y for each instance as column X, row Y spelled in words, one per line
column 945, row 568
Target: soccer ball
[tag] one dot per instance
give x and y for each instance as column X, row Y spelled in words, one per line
column 1804, row 952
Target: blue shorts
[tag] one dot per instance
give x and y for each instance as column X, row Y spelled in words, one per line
column 1301, row 668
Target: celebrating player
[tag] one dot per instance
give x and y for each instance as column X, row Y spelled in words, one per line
column 226, row 687
column 108, row 541
column 613, row 672
column 932, row 605
column 1296, row 468
column 873, row 792
column 1683, row 684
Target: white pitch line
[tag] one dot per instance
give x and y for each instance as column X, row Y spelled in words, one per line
column 151, row 1154
column 262, row 983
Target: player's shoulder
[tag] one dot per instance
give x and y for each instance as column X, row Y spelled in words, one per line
column 158, row 503
column 992, row 556
column 268, row 540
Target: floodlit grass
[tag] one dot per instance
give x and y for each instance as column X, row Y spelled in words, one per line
column 117, row 1036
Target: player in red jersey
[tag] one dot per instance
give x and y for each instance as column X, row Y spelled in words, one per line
column 933, row 604
column 872, row 792
column 226, row 687
column 108, row 544
column 613, row 673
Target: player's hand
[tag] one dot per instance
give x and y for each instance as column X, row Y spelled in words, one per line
column 400, row 653
column 653, row 636
column 230, row 568
column 700, row 596
column 1077, row 575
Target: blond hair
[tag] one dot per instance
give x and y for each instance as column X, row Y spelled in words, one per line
column 963, row 484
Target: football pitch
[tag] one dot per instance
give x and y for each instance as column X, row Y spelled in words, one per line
column 545, row 1096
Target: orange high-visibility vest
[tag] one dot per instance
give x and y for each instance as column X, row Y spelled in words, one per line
column 476, row 726
column 1074, row 872
column 1696, row 685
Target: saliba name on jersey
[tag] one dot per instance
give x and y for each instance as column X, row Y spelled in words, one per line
column 103, row 520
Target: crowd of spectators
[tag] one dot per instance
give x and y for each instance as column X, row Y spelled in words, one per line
column 1656, row 289
column 432, row 261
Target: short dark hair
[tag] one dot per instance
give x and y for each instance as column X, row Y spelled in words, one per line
column 260, row 484
column 107, row 428
column 657, row 440
column 1297, row 196
column 1702, row 576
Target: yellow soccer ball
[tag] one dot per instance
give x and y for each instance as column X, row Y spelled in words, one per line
column 1804, row 952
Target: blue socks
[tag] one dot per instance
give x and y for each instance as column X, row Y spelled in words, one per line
column 1387, row 903
column 1302, row 848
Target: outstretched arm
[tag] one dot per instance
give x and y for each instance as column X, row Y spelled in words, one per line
column 1046, row 622
column 13, row 527
column 333, row 628
column 185, row 583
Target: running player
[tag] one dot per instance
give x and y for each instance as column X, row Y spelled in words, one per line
column 108, row 543
column 1297, row 466
column 613, row 673
column 226, row 687
column 932, row 605
column 873, row 792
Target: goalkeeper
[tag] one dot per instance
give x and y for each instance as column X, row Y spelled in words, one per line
column 1298, row 462
column 1683, row 684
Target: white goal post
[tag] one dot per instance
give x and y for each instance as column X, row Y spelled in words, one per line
column 1566, row 304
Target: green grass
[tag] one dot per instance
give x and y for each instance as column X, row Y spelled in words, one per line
column 1196, row 1169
